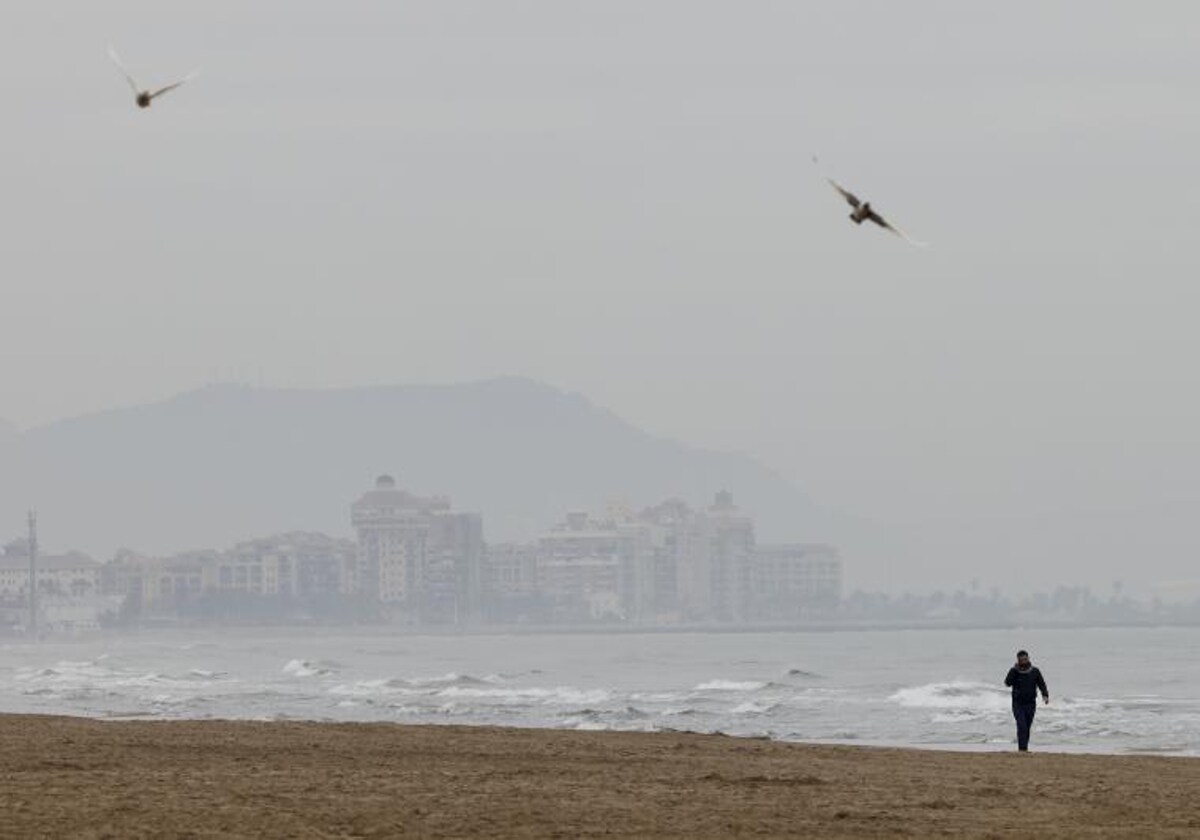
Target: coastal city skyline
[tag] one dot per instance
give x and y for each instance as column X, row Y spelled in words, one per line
column 417, row 561
column 651, row 232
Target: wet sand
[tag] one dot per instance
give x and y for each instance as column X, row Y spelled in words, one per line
column 71, row 777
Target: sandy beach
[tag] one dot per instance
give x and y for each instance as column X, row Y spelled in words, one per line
column 71, row 777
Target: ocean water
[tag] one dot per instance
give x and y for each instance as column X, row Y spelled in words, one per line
column 1112, row 690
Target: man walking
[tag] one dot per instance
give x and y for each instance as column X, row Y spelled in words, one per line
column 1026, row 681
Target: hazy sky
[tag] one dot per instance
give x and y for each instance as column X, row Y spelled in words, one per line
column 618, row 198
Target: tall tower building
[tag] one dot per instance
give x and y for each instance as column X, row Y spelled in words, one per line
column 415, row 556
column 715, row 583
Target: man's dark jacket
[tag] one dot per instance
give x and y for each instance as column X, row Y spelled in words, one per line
column 1026, row 684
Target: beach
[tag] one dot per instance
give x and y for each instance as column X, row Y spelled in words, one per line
column 76, row 777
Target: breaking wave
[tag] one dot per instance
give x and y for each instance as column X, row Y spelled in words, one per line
column 306, row 668
column 957, row 695
column 732, row 685
column 546, row 682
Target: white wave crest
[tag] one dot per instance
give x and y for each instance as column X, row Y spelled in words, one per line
column 731, row 685
column 963, row 695
column 451, row 679
column 752, row 708
column 560, row 695
column 304, row 668
column 201, row 674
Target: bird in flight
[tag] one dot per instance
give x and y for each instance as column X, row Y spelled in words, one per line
column 864, row 212
column 143, row 97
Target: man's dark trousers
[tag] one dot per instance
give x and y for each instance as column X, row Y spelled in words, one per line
column 1024, row 713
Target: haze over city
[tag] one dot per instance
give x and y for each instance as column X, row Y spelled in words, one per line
column 528, row 418
column 623, row 205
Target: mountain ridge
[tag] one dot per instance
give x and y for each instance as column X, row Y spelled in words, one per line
column 210, row 466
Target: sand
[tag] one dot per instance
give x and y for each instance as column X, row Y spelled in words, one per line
column 71, row 777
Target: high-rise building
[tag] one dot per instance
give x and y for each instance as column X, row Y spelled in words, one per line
column 671, row 530
column 416, row 557
column 714, row 582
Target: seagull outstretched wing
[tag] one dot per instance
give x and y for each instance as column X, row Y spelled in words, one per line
column 884, row 223
column 156, row 93
column 112, row 54
column 850, row 197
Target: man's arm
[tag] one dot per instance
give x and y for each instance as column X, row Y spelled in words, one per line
column 1041, row 684
column 1012, row 675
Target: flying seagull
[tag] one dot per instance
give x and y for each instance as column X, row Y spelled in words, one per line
column 143, row 98
column 864, row 212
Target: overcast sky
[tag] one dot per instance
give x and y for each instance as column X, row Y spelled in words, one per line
column 618, row 198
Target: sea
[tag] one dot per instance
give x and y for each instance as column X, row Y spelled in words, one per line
column 1113, row 690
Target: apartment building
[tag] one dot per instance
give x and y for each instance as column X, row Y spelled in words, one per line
column 73, row 574
column 416, row 556
column 297, row 564
column 794, row 581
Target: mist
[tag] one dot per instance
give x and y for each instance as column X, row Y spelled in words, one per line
column 621, row 203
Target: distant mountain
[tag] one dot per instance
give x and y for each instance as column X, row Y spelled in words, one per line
column 224, row 463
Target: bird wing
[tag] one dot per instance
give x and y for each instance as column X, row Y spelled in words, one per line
column 112, row 54
column 845, row 193
column 173, row 85
column 884, row 223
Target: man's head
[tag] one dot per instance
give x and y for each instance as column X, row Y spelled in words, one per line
column 1022, row 659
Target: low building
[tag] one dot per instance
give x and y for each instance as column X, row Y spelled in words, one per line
column 170, row 581
column 293, row 569
column 73, row 574
column 69, row 598
column 510, row 570
column 298, row 564
column 597, row 570
column 510, row 584
column 793, row 581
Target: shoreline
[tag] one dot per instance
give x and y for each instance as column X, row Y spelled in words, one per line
column 84, row 777
column 969, row 748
